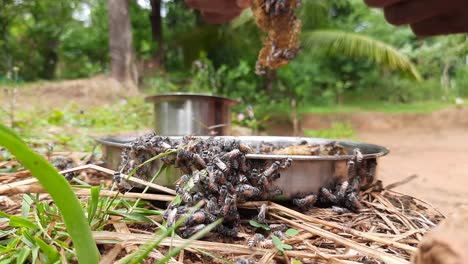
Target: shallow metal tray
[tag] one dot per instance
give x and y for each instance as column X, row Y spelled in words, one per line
column 306, row 175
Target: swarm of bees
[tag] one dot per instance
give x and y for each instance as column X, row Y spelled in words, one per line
column 218, row 176
column 216, row 173
column 277, row 18
column 343, row 196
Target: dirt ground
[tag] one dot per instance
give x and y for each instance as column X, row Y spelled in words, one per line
column 431, row 146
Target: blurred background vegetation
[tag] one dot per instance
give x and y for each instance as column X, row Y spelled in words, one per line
column 350, row 55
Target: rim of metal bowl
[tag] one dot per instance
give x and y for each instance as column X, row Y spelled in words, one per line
column 179, row 95
column 376, row 150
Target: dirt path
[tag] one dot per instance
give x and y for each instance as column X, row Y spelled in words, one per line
column 432, row 146
column 439, row 158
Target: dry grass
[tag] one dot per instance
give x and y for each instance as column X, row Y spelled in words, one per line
column 387, row 230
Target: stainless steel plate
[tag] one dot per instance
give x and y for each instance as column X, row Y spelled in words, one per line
column 306, row 175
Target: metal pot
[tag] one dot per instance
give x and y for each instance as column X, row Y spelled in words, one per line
column 306, row 175
column 179, row 114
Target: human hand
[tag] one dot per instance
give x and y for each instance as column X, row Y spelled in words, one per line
column 219, row 11
column 426, row 17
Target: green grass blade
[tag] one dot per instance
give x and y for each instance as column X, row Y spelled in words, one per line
column 25, row 205
column 16, row 221
column 22, row 254
column 59, row 190
column 94, row 203
column 51, row 252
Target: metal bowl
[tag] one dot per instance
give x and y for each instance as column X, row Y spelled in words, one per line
column 197, row 114
column 306, row 175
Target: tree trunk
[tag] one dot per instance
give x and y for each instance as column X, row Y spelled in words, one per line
column 157, row 31
column 269, row 80
column 446, row 79
column 123, row 65
column 294, row 117
column 50, row 60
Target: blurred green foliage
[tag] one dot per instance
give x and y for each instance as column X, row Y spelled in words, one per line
column 74, row 128
column 338, row 130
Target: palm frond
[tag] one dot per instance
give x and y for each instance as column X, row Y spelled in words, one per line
column 357, row 45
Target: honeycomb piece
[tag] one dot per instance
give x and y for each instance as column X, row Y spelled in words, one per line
column 278, row 19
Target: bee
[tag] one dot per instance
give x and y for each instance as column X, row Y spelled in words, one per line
column 243, row 164
column 221, row 165
column 181, row 161
column 267, row 243
column 355, row 184
column 279, row 234
column 273, row 169
column 253, row 177
column 278, row 227
column 232, row 155
column 213, row 187
column 219, row 176
column 340, row 210
column 343, row 188
column 230, row 188
column 198, row 161
column 188, row 232
column 306, row 202
column 243, row 179
column 164, row 146
column 196, row 177
column 263, row 183
column 262, row 214
column 223, row 191
column 255, row 240
column 233, row 214
column 228, row 203
column 351, row 169
column 358, row 157
column 245, row 148
column 196, row 218
column 122, row 185
column 212, row 206
column 242, row 261
column 179, row 187
column 171, row 216
column 187, row 198
column 327, row 197
column 234, row 164
column 247, row 191
column 210, row 218
column 198, row 197
column 352, row 202
column 226, row 231
column 286, row 163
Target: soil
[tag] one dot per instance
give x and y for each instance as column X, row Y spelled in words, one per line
column 87, row 93
column 431, row 146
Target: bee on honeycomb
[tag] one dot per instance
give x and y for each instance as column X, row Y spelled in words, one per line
column 278, row 19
